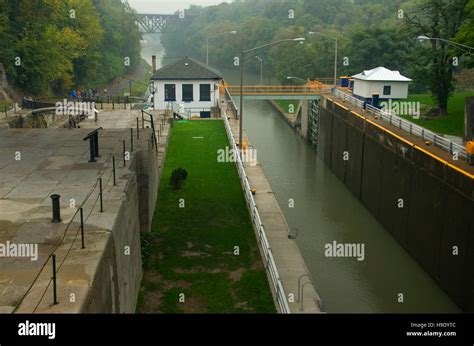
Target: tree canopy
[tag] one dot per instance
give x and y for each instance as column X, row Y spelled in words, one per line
column 370, row 33
column 48, row 46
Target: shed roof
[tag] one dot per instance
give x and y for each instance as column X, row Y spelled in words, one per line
column 381, row 74
column 186, row 69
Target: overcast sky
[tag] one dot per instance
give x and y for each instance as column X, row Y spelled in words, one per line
column 168, row 6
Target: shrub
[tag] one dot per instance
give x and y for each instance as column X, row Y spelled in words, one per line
column 178, row 176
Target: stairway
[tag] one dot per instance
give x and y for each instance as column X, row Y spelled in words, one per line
column 179, row 110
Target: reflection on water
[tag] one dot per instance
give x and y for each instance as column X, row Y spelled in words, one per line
column 326, row 211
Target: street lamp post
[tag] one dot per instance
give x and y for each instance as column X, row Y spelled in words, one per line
column 242, row 57
column 261, row 68
column 335, row 53
column 463, row 47
column 233, row 32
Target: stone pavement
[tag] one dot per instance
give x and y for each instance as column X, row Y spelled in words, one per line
column 35, row 163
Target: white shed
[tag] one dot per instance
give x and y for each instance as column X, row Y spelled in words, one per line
column 384, row 82
column 189, row 83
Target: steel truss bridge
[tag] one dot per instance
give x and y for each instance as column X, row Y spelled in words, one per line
column 158, row 23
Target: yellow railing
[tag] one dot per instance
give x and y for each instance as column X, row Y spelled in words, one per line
column 316, row 88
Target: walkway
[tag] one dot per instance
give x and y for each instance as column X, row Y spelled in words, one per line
column 288, row 259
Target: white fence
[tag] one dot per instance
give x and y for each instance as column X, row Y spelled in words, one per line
column 408, row 126
column 262, row 238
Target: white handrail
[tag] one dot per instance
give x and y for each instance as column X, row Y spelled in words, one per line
column 406, row 125
column 265, row 246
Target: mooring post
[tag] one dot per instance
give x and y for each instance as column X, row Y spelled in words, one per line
column 55, row 298
column 56, row 208
column 131, row 140
column 96, row 144
column 81, row 212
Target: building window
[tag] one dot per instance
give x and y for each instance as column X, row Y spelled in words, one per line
column 387, row 90
column 170, row 92
column 205, row 92
column 188, row 92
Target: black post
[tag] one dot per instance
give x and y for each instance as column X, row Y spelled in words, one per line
column 96, row 144
column 92, row 149
column 82, row 227
column 55, row 298
column 113, row 105
column 6, row 114
column 113, row 168
column 100, row 192
column 124, row 164
column 131, row 140
column 56, row 208
column 143, row 120
column 138, row 130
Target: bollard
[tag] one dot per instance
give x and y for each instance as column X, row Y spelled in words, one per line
column 92, row 149
column 113, row 104
column 131, row 140
column 55, row 298
column 113, row 169
column 143, row 120
column 82, row 228
column 100, row 195
column 96, row 144
column 56, row 208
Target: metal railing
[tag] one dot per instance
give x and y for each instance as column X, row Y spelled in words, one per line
column 406, row 125
column 183, row 112
column 74, row 229
column 262, row 238
column 278, row 89
column 231, row 105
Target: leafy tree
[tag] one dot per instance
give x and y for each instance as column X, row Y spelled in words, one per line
column 466, row 33
column 436, row 19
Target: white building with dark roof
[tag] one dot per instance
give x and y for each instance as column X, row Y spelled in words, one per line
column 188, row 83
column 384, row 82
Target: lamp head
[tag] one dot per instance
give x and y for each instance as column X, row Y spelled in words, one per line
column 422, row 38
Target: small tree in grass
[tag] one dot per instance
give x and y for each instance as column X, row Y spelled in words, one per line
column 178, row 176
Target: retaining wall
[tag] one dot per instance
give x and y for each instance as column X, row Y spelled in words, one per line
column 382, row 171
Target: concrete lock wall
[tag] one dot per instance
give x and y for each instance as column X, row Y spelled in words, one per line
column 383, row 171
column 116, row 281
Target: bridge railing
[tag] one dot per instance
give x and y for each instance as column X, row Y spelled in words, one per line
column 262, row 238
column 406, row 125
column 277, row 89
